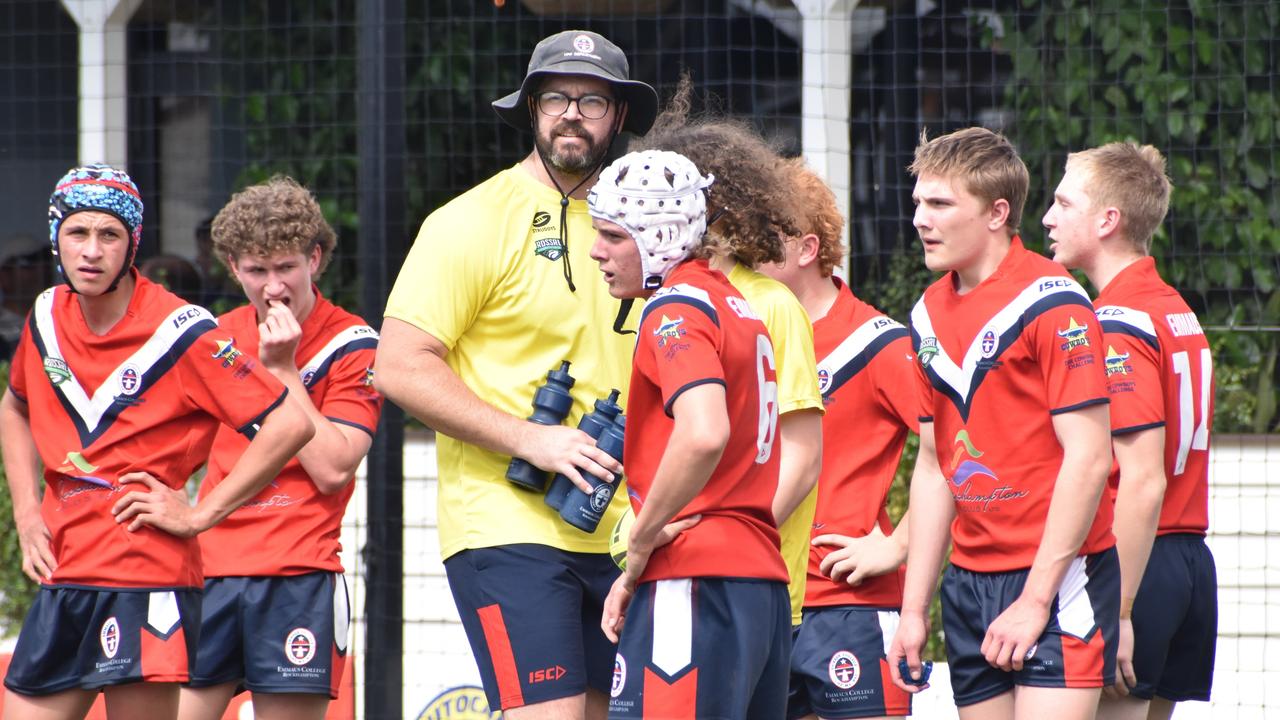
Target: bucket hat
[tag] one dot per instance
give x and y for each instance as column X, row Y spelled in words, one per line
column 581, row 52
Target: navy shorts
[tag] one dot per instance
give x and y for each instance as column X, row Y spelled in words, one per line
column 532, row 615
column 80, row 637
column 1175, row 620
column 1076, row 650
column 704, row 648
column 278, row 634
column 838, row 665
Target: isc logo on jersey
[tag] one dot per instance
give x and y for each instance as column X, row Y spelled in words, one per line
column 844, row 669
column 300, row 646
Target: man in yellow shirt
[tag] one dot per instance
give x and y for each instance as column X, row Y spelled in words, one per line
column 485, row 306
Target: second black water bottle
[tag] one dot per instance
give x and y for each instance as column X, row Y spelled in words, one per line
column 584, row 511
column 594, row 424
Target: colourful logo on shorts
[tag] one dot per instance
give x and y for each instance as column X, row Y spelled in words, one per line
column 1076, row 336
column 227, row 352
column 962, row 472
column 109, row 636
column 300, row 646
column 1117, row 364
column 619, row 675
column 844, row 669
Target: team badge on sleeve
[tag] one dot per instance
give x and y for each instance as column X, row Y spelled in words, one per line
column 1075, row 336
column 227, row 352
column 1117, row 363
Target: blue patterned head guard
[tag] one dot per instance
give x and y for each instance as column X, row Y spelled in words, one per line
column 100, row 188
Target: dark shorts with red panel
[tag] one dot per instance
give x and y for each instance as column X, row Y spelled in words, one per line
column 704, row 648
column 838, row 666
column 1076, row 650
column 91, row 638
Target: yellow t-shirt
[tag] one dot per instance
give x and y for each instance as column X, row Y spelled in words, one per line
column 792, row 335
column 485, row 278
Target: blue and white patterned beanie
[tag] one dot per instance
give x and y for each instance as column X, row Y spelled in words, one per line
column 100, row 188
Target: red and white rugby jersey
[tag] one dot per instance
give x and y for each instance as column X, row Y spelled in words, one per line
column 1160, row 373
column 995, row 365
column 697, row 330
column 291, row 528
column 146, row 396
column 866, row 373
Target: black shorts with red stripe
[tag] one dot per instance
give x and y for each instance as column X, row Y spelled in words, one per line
column 90, row 638
column 705, row 648
column 1076, row 650
column 532, row 616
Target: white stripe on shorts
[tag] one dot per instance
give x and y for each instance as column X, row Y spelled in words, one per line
column 673, row 625
column 1075, row 611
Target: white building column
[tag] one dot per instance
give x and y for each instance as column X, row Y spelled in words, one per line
column 103, row 129
column 825, row 102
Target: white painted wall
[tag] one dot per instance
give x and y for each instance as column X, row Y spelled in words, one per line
column 1245, row 537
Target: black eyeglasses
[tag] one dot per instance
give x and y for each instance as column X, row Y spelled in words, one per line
column 555, row 104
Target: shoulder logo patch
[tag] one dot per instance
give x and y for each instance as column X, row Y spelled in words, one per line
column 1075, row 335
column 669, row 330
column 1117, row 363
column 226, row 352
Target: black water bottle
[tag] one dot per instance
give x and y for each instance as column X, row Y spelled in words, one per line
column 593, row 423
column 551, row 404
column 584, row 511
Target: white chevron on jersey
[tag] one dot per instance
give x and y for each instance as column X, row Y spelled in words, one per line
column 960, row 376
column 336, row 343
column 853, row 346
column 155, row 349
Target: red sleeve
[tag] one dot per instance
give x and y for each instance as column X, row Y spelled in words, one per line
column 897, row 383
column 1133, row 383
column 350, row 398
column 227, row 383
column 1068, row 348
column 678, row 348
